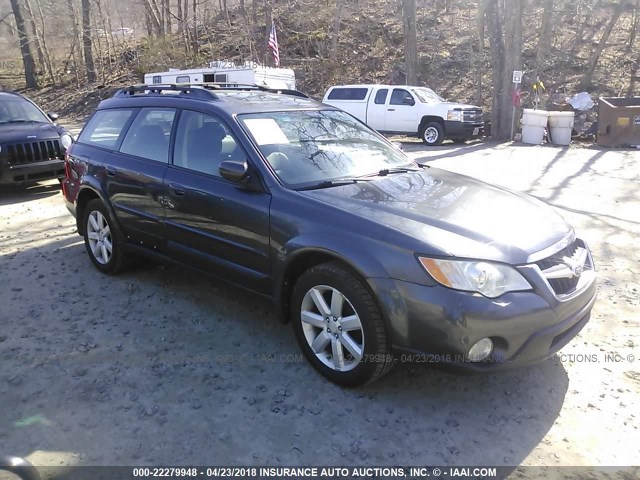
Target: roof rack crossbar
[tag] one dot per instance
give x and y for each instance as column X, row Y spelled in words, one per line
column 204, row 90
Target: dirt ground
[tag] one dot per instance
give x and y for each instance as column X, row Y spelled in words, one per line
column 164, row 366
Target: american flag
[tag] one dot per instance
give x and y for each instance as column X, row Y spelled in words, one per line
column 273, row 44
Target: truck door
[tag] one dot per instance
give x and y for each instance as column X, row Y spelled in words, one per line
column 402, row 113
column 377, row 110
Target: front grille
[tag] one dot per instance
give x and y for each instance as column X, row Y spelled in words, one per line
column 472, row 115
column 563, row 286
column 21, row 153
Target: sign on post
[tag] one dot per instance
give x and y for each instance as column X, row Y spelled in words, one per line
column 517, row 76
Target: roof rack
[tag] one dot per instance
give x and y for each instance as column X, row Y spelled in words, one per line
column 203, row 90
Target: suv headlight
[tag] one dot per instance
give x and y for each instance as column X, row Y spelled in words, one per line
column 454, row 115
column 487, row 278
column 66, row 140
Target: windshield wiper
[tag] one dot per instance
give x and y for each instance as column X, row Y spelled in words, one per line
column 388, row 171
column 338, row 182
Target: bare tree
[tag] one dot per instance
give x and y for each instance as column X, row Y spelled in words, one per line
column 86, row 41
column 410, row 41
column 505, row 35
column 30, row 77
column 587, row 79
column 544, row 39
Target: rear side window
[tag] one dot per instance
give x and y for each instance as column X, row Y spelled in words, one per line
column 149, row 134
column 348, row 94
column 381, row 96
column 105, row 128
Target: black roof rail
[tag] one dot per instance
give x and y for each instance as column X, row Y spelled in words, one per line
column 203, row 90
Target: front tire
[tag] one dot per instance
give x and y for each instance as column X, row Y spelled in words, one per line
column 432, row 134
column 102, row 240
column 339, row 327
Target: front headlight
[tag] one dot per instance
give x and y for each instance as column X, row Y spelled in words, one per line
column 66, row 140
column 489, row 279
column 454, row 115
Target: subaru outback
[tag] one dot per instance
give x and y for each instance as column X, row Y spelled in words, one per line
column 372, row 257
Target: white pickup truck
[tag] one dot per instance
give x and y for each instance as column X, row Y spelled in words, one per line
column 402, row 109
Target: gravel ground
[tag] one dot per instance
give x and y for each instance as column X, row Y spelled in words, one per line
column 164, row 366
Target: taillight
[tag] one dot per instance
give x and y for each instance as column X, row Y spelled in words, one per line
column 67, row 166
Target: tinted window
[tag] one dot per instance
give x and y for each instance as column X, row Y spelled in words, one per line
column 105, row 127
column 381, row 96
column 157, row 79
column 398, row 95
column 183, row 79
column 203, row 142
column 148, row 136
column 220, row 77
column 348, row 94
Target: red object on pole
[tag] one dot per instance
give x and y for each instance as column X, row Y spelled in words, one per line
column 516, row 97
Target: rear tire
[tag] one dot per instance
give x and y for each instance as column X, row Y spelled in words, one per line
column 339, row 327
column 432, row 134
column 102, row 239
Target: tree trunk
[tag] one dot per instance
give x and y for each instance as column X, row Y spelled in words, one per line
column 482, row 7
column 180, row 17
column 544, row 40
column 47, row 55
column 194, row 4
column 36, row 35
column 167, row 16
column 335, row 30
column 410, row 41
column 496, row 42
column 86, row 41
column 25, row 47
column 587, row 79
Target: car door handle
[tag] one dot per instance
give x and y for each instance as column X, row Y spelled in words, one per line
column 176, row 189
column 391, row 109
column 111, row 171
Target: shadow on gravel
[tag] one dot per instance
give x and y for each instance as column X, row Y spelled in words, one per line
column 447, row 149
column 164, row 366
column 10, row 194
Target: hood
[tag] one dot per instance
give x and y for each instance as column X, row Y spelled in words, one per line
column 23, row 132
column 451, row 214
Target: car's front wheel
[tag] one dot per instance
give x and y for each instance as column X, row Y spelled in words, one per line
column 339, row 326
column 101, row 239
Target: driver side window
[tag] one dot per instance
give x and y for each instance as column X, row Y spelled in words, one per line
column 401, row 97
column 203, row 142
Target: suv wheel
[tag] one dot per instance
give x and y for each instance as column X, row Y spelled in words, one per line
column 101, row 239
column 433, row 134
column 339, row 326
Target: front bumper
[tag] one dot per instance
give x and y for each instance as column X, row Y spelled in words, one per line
column 439, row 325
column 463, row 130
column 31, row 172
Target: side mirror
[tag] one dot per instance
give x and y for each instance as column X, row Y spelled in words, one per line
column 408, row 101
column 235, row 171
column 53, row 116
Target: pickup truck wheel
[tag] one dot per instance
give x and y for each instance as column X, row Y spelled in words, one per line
column 433, row 134
column 101, row 239
column 339, row 326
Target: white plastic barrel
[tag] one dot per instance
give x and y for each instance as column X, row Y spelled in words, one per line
column 533, row 124
column 560, row 127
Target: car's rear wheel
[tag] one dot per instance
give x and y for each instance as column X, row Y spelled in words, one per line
column 432, row 134
column 339, row 326
column 101, row 239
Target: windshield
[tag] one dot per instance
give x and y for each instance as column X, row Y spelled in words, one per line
column 307, row 147
column 16, row 109
column 426, row 95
